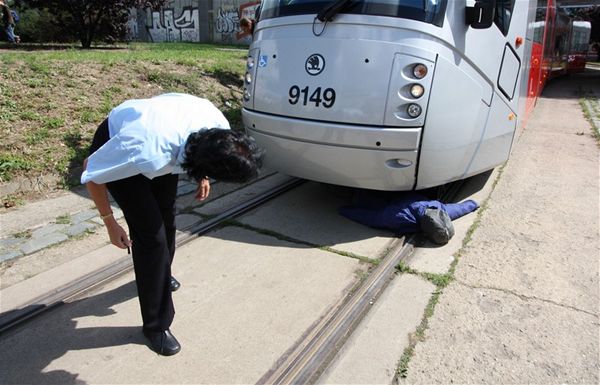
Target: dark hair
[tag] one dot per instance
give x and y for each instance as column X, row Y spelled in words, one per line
column 220, row 154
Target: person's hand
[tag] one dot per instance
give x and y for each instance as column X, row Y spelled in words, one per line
column 203, row 189
column 118, row 235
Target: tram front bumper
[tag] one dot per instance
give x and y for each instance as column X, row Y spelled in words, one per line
column 379, row 158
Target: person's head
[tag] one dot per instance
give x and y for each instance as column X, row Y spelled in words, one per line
column 247, row 25
column 224, row 155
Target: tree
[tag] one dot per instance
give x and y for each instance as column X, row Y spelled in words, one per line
column 91, row 20
column 591, row 14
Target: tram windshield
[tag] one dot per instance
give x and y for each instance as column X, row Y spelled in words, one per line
column 429, row 11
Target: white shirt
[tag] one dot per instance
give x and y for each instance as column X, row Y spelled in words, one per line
column 147, row 136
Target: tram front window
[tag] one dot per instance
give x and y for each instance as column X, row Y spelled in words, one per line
column 428, row 11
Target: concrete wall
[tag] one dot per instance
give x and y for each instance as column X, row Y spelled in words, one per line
column 215, row 21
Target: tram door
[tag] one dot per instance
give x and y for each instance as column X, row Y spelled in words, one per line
column 509, row 99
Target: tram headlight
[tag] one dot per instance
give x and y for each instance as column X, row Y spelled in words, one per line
column 250, row 62
column 248, row 78
column 247, row 94
column 420, row 71
column 413, row 110
column 416, row 91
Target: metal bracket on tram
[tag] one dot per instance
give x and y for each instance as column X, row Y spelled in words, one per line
column 335, row 7
column 328, row 13
column 479, row 14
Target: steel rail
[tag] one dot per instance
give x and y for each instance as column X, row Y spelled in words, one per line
column 110, row 272
column 306, row 361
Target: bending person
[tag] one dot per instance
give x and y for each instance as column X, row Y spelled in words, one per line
column 136, row 154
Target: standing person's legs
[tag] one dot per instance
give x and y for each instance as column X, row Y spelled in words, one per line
column 164, row 189
column 150, row 249
column 10, row 33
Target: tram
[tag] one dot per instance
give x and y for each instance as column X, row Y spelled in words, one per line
column 396, row 94
column 580, row 44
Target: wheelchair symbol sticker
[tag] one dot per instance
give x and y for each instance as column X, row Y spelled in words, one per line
column 262, row 61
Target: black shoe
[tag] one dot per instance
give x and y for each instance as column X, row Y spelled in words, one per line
column 175, row 285
column 163, row 342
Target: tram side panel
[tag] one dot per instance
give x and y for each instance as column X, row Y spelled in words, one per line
column 475, row 101
column 508, row 105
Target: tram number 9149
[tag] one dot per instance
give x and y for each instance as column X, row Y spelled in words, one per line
column 319, row 97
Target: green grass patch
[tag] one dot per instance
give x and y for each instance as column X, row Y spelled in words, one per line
column 23, row 234
column 40, row 67
column 12, row 200
column 38, row 136
column 64, row 219
column 591, row 110
column 52, row 99
column 30, row 116
column 9, row 164
column 53, row 123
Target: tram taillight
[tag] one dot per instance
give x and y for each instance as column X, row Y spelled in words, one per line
column 420, row 71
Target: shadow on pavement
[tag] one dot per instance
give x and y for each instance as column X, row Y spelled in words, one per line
column 585, row 83
column 28, row 351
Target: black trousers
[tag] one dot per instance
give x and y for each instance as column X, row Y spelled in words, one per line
column 149, row 209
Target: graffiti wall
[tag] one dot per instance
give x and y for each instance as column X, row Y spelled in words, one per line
column 193, row 21
column 226, row 20
column 178, row 20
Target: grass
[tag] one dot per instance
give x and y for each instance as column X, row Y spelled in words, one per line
column 64, row 219
column 53, row 98
column 591, row 110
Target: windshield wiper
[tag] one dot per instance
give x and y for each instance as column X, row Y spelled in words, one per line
column 332, row 9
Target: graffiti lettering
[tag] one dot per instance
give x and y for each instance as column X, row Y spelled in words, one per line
column 228, row 20
column 165, row 27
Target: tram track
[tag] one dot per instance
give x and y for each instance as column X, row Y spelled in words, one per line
column 87, row 282
column 306, row 359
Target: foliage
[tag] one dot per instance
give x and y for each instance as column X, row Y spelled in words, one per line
column 36, row 26
column 591, row 14
column 91, row 20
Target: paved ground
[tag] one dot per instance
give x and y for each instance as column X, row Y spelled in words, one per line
column 523, row 307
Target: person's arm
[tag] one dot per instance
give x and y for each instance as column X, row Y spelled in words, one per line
column 99, row 194
column 203, row 189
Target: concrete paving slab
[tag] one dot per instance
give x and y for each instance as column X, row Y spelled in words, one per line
column 547, row 245
column 19, row 294
column 371, row 354
column 184, row 221
column 218, row 191
column 233, row 198
column 44, row 211
column 245, row 298
column 79, row 228
column 309, row 213
column 483, row 336
column 48, row 229
column 436, row 259
column 8, row 255
column 84, row 215
column 41, row 242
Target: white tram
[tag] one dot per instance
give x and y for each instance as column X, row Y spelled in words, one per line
column 388, row 94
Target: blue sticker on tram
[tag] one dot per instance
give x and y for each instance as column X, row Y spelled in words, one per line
column 262, row 61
